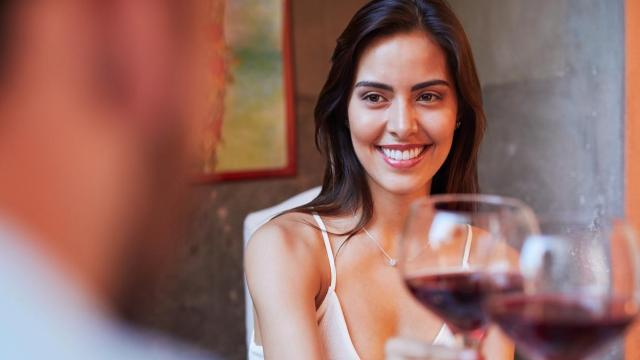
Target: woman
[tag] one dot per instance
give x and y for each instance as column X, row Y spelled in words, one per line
column 400, row 117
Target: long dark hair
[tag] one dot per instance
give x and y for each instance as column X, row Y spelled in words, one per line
column 345, row 188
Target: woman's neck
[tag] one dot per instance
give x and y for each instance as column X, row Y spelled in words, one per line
column 389, row 213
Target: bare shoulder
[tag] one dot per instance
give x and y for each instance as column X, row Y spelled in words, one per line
column 287, row 245
column 286, row 279
column 292, row 234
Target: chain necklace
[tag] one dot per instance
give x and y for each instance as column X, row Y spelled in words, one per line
column 390, row 261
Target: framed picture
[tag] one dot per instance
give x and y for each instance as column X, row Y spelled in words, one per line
column 252, row 92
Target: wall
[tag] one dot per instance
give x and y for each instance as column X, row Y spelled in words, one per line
column 552, row 73
column 206, row 304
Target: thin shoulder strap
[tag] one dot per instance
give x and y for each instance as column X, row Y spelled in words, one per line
column 467, row 247
column 442, row 333
column 327, row 245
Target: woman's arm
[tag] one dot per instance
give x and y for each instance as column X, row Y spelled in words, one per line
column 284, row 279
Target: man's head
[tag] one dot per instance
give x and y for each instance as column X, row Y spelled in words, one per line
column 95, row 103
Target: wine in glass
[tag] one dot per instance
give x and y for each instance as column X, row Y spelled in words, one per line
column 580, row 290
column 445, row 251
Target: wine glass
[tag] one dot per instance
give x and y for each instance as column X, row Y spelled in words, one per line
column 446, row 246
column 580, row 289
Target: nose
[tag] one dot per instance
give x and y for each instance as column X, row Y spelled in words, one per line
column 402, row 122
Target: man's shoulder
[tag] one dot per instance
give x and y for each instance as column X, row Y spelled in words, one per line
column 43, row 315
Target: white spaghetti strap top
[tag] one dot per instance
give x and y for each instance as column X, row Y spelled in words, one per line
column 334, row 332
column 327, row 246
column 467, row 247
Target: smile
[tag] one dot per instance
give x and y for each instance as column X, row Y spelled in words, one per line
column 403, row 156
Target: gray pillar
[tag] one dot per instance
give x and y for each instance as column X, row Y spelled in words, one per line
column 553, row 74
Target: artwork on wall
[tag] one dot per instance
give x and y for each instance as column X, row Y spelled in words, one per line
column 251, row 92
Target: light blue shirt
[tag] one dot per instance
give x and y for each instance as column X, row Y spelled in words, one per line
column 44, row 316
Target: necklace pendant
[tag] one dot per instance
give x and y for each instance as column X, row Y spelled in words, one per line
column 393, row 262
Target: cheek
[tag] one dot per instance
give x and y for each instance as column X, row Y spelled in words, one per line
column 366, row 126
column 440, row 127
column 441, row 131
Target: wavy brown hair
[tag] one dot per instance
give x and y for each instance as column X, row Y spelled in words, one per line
column 345, row 189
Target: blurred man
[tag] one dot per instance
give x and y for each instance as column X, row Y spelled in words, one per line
column 93, row 98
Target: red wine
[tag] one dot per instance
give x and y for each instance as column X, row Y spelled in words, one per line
column 558, row 327
column 458, row 297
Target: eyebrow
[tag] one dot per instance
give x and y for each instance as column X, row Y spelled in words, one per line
column 429, row 83
column 415, row 87
column 374, row 84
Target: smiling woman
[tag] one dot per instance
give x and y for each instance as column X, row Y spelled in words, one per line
column 435, row 27
column 399, row 117
column 402, row 112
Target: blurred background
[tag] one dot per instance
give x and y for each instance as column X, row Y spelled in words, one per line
column 553, row 79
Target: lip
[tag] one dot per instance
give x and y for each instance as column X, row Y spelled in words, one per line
column 402, row 147
column 403, row 164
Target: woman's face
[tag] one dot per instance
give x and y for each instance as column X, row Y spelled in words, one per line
column 402, row 112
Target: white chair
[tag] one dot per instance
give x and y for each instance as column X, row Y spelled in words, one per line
column 251, row 223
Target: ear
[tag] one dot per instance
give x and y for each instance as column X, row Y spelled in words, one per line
column 458, row 118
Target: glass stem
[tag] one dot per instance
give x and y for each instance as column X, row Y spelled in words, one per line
column 472, row 341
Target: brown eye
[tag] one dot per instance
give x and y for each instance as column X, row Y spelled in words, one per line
column 428, row 97
column 373, row 98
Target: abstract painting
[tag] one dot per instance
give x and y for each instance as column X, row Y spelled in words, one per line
column 252, row 92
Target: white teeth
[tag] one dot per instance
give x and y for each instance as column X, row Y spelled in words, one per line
column 398, row 155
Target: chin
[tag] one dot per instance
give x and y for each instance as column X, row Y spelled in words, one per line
column 403, row 187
